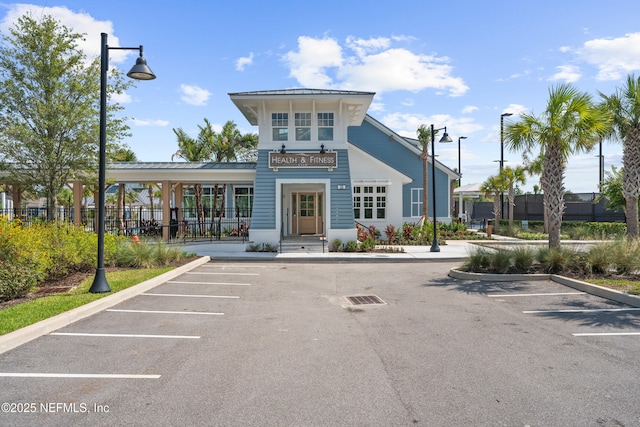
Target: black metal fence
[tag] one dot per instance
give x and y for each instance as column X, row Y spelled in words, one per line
column 228, row 224
column 581, row 207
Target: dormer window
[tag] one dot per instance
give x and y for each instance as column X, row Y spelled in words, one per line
column 325, row 126
column 280, row 126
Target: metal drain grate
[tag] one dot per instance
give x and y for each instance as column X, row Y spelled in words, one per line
column 365, row 299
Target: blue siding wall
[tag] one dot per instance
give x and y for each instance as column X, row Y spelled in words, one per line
column 264, row 198
column 376, row 143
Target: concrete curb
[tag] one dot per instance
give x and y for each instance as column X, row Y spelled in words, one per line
column 611, row 294
column 31, row 332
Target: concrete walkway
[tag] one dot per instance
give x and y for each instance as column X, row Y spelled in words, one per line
column 452, row 250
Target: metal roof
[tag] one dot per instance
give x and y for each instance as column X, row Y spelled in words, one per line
column 181, row 165
column 301, row 91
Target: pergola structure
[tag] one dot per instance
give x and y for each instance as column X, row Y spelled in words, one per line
column 173, row 179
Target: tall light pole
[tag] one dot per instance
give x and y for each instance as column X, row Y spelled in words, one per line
column 502, row 116
column 601, row 167
column 460, row 161
column 460, row 210
column 140, row 71
column 445, row 138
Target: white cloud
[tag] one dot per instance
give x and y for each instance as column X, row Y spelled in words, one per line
column 614, row 57
column 469, row 109
column 371, row 65
column 314, row 56
column 156, row 123
column 243, row 61
column 567, row 73
column 121, row 98
column 81, row 23
column 194, row 95
column 407, row 124
column 515, row 109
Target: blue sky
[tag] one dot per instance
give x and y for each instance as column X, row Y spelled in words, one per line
column 458, row 64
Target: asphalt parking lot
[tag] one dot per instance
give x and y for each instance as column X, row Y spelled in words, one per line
column 279, row 343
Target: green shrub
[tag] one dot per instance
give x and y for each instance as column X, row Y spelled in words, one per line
column 16, row 280
column 523, row 259
column 625, row 257
column 478, row 261
column 501, row 261
column 368, row 244
column 556, row 260
column 598, row 258
column 335, row 245
column 351, row 246
column 135, row 255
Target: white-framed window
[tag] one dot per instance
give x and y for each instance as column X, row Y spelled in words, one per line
column 303, row 126
column 280, row 126
column 416, row 202
column 243, row 200
column 369, row 202
column 325, row 126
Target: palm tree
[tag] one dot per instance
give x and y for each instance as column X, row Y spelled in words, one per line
column 624, row 106
column 227, row 146
column 494, row 186
column 512, row 177
column 570, row 124
column 121, row 154
column 535, row 167
column 194, row 150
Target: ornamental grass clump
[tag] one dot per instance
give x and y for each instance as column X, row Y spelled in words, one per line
column 626, row 257
column 556, row 260
column 501, row 261
column 146, row 254
column 478, row 261
column 523, row 259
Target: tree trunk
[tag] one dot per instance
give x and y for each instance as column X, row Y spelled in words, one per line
column 512, row 204
column 631, row 180
column 121, row 207
column 151, row 204
column 553, row 185
column 497, row 211
column 197, row 190
column 425, row 182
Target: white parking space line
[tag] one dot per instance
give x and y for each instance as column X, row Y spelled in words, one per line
column 536, row 295
column 78, row 334
column 592, row 310
column 233, row 266
column 192, row 296
column 209, row 283
column 205, row 313
column 606, row 334
column 223, row 274
column 53, row 375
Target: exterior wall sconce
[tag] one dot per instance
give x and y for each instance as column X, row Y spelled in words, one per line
column 283, row 150
column 322, row 150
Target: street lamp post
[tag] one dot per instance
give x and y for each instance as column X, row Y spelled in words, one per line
column 460, row 161
column 502, row 116
column 460, row 210
column 445, row 138
column 140, row 71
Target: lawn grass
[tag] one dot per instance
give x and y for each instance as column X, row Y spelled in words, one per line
column 631, row 287
column 21, row 315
